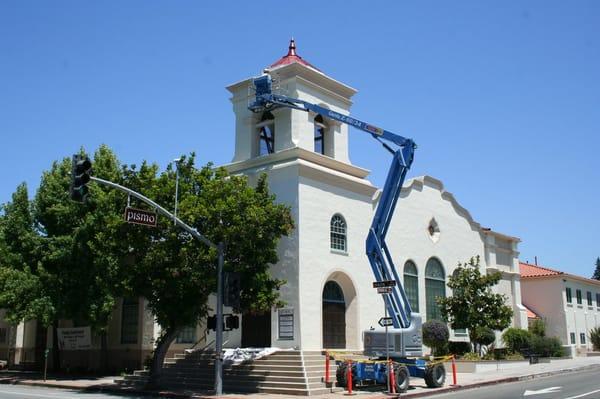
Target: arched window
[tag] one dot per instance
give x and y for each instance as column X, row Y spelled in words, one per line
column 333, row 293
column 338, row 233
column 435, row 287
column 411, row 284
column 266, row 134
column 320, row 134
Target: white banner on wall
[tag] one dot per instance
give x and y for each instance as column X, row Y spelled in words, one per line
column 76, row 338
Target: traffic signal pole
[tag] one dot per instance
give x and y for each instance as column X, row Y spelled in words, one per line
column 220, row 247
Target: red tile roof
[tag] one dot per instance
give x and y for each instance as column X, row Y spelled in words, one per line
column 292, row 57
column 528, row 270
column 530, row 313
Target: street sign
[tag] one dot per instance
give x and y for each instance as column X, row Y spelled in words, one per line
column 385, row 322
column 384, row 290
column 384, row 283
column 139, row 216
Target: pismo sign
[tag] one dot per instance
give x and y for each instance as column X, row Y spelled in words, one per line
column 138, row 216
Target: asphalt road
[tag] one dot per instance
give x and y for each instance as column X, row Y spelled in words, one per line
column 574, row 385
column 29, row 392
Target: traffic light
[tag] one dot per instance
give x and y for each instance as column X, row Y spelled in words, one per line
column 81, row 170
column 232, row 290
column 232, row 322
column 211, row 323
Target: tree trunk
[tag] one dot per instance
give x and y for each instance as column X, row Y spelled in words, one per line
column 158, row 357
column 103, row 352
column 55, row 350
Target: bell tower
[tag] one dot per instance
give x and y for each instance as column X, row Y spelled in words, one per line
column 269, row 133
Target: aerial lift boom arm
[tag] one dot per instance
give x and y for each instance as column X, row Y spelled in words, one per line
column 377, row 251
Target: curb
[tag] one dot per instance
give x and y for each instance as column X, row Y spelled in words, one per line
column 177, row 395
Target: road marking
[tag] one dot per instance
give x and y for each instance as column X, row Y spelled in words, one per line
column 541, row 391
column 583, row 394
column 28, row 394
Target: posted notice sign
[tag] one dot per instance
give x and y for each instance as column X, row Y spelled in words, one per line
column 139, row 216
column 73, row 339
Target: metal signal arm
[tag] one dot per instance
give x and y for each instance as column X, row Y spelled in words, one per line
column 377, row 250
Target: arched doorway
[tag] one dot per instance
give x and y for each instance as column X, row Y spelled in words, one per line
column 334, row 316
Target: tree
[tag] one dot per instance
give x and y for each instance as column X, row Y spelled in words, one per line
column 596, row 275
column 473, row 304
column 58, row 265
column 175, row 273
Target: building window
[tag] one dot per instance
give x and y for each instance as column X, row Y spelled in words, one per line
column 589, row 298
column 598, row 300
column 572, row 338
column 582, row 338
column 2, row 335
column 320, row 128
column 411, row 285
column 266, row 134
column 569, row 295
column 578, row 294
column 435, row 287
column 187, row 335
column 129, row 321
column 338, row 233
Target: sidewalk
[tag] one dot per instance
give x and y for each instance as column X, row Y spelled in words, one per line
column 418, row 387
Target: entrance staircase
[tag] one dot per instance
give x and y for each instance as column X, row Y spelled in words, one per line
column 284, row 372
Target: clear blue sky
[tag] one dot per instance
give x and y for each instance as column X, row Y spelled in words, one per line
column 502, row 97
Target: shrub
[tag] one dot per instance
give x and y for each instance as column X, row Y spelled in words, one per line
column 471, row 356
column 459, row 348
column 516, row 339
column 485, row 336
column 538, row 327
column 546, row 346
column 435, row 335
column 595, row 338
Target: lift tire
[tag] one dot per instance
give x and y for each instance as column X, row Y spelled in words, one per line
column 435, row 375
column 402, row 377
column 341, row 374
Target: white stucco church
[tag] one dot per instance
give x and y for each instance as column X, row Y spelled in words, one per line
column 329, row 294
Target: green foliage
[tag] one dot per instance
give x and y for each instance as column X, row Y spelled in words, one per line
column 459, row 347
column 60, row 259
column 473, row 304
column 546, row 346
column 596, row 275
column 538, row 327
column 471, row 356
column 436, row 335
column 516, row 339
column 485, row 335
column 595, row 338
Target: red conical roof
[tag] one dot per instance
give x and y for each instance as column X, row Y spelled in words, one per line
column 291, row 57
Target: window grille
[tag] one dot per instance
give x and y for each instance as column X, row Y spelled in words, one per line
column 338, row 233
column 435, row 287
column 411, row 284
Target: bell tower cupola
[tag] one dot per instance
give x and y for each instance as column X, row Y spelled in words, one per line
column 266, row 134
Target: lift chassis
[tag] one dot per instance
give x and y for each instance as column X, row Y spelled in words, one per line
column 405, row 345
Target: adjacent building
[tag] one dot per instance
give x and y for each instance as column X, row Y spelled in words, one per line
column 569, row 304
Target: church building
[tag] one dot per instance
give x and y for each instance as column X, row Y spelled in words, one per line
column 329, row 295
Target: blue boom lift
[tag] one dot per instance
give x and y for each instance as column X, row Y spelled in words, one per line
column 405, row 346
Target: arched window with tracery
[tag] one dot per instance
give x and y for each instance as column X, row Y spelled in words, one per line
column 411, row 284
column 266, row 134
column 320, row 129
column 338, row 233
column 435, row 287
